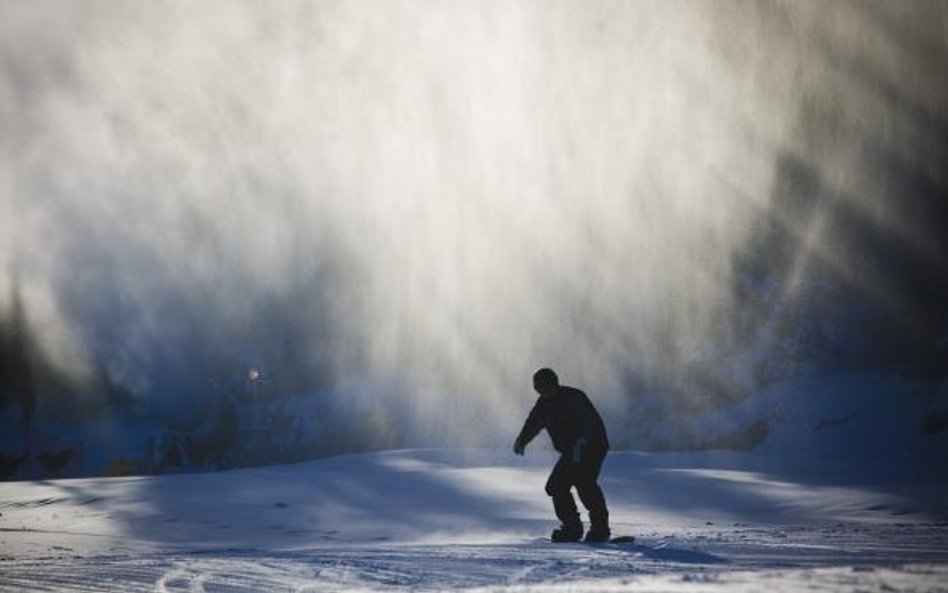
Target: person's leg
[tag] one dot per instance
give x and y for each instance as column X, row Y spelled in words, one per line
column 558, row 488
column 587, row 476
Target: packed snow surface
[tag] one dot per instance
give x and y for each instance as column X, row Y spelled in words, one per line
column 445, row 520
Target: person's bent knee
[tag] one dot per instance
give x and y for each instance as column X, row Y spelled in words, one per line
column 556, row 489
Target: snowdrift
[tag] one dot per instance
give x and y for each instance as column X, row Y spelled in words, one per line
column 460, row 519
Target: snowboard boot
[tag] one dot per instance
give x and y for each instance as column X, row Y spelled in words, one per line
column 567, row 533
column 598, row 527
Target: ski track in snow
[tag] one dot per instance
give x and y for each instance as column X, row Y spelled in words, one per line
column 466, row 521
column 910, row 558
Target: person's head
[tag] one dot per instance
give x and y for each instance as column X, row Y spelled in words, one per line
column 545, row 382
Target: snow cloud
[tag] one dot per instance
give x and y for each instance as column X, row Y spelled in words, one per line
column 441, row 197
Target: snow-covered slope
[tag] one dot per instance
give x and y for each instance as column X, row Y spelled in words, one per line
column 864, row 427
column 467, row 519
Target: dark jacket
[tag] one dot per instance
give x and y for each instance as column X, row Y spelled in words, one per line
column 566, row 416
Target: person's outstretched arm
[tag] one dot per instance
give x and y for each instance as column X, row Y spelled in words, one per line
column 531, row 428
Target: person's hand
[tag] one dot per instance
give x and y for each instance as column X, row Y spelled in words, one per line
column 578, row 449
column 519, row 446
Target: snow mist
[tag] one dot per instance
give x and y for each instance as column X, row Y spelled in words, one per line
column 407, row 207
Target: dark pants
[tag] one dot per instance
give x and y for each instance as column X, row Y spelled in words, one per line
column 583, row 476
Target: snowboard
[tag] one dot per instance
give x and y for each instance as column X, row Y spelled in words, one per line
column 618, row 540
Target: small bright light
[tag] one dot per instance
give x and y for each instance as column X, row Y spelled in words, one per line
column 254, row 374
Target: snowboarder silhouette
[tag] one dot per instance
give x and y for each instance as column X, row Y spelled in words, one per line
column 579, row 435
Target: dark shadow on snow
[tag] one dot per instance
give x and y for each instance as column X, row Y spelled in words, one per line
column 679, row 555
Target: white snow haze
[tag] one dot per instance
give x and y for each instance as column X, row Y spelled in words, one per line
column 437, row 198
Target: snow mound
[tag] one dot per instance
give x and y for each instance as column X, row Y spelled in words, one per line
column 861, row 427
column 450, row 519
